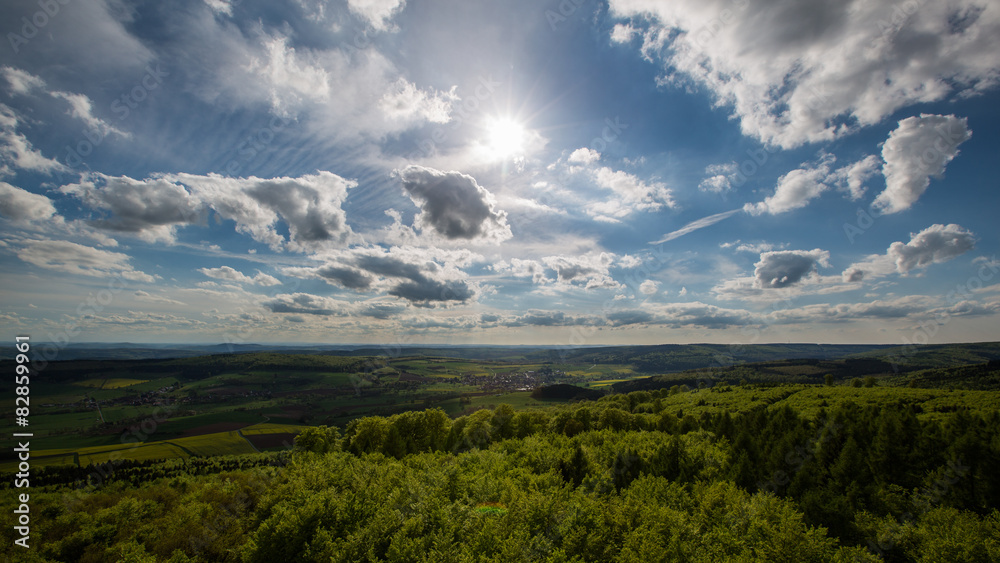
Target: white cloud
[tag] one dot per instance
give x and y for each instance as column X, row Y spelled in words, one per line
column 933, row 245
column 404, row 102
column 622, row 33
column 71, row 258
column 784, row 268
column 795, row 75
column 721, row 179
column 21, row 82
column 589, row 270
column 16, row 152
column 584, row 155
column 696, row 225
column 377, row 12
column 649, row 287
column 918, row 148
column 453, row 205
column 795, row 189
column 231, row 274
column 631, row 194
column 22, row 206
column 852, row 178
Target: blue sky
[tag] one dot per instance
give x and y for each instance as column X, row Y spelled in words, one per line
column 561, row 173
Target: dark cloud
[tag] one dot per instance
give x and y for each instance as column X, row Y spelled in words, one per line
column 347, row 277
column 454, row 205
column 425, row 291
column 784, row 268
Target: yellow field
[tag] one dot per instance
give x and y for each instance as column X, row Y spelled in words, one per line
column 220, row 443
column 153, row 450
column 270, row 428
column 112, row 383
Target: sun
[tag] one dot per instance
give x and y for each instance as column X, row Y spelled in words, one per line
column 505, row 138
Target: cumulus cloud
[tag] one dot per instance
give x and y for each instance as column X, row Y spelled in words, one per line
column 406, row 103
column 784, row 268
column 230, row 274
column 77, row 259
column 151, row 209
column 377, row 13
column 933, row 245
column 16, row 152
column 721, row 179
column 22, row 206
column 21, row 82
column 409, row 273
column 920, row 147
column 649, row 287
column 795, row 189
column 154, row 208
column 589, row 270
column 523, row 269
column 584, row 155
column 852, row 178
column 453, row 205
column 795, row 75
column 630, row 194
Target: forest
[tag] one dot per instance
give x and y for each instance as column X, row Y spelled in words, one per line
column 720, row 474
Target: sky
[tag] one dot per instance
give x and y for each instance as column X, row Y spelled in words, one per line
column 564, row 173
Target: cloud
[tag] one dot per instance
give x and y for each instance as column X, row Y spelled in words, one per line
column 81, row 107
column 21, row 82
column 153, row 208
column 412, row 274
column 307, row 304
column 753, row 248
column 852, row 178
column 16, row 152
column 376, row 12
column 231, row 274
column 695, row 225
column 784, row 268
column 453, row 205
column 933, row 245
column 584, row 156
column 76, row 259
column 406, row 103
column 351, row 278
column 649, row 287
column 22, row 206
column 145, row 296
column 589, row 270
column 631, row 194
column 920, row 147
column 794, row 75
column 795, row 189
column 721, row 179
column 523, row 269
